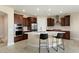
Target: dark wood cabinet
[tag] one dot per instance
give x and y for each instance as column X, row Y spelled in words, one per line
column 21, row 19
column 62, row 21
column 65, row 21
column 18, row 19
column 28, row 22
column 50, row 22
column 66, row 35
column 25, row 36
column 33, row 20
column 18, row 38
column 21, row 37
column 15, row 19
column 25, row 22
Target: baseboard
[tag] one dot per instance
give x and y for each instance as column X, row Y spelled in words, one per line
column 75, row 38
column 10, row 44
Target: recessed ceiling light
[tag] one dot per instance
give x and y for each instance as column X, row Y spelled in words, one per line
column 23, row 10
column 60, row 11
column 37, row 9
column 49, row 9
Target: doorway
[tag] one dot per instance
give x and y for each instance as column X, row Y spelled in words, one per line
column 3, row 29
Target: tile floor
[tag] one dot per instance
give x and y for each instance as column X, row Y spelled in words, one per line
column 71, row 46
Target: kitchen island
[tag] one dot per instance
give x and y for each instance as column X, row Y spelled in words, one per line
column 33, row 37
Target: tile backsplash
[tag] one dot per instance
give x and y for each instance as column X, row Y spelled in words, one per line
column 67, row 28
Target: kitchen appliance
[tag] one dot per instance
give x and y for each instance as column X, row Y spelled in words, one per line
column 18, row 29
column 25, row 28
column 34, row 26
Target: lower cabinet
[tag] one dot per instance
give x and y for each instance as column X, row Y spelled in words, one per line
column 25, row 36
column 20, row 38
column 66, row 35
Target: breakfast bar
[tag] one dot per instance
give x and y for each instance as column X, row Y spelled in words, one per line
column 33, row 37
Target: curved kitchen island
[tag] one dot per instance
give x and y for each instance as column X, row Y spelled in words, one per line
column 33, row 38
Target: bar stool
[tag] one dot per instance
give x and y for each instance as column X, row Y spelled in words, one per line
column 59, row 36
column 44, row 37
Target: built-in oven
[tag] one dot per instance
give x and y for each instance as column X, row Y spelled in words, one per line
column 18, row 29
column 17, row 33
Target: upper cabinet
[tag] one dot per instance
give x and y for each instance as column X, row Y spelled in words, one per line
column 65, row 21
column 25, row 22
column 50, row 22
column 29, row 21
column 18, row 19
column 33, row 20
column 62, row 21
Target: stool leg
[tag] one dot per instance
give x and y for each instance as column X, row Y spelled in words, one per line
column 56, row 49
column 39, row 45
column 57, row 44
column 62, row 45
column 47, row 45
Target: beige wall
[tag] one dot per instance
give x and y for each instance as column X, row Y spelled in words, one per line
column 10, row 24
column 75, row 26
column 1, row 26
column 5, row 28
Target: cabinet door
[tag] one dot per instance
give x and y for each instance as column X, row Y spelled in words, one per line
column 33, row 19
column 50, row 22
column 67, row 20
column 29, row 23
column 63, row 21
column 67, row 35
column 18, row 38
column 18, row 19
column 25, row 36
column 24, row 22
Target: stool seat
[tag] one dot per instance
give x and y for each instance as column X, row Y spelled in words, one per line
column 59, row 36
column 43, row 37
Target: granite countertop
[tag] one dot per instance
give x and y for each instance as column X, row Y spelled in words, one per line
column 49, row 31
column 57, row 30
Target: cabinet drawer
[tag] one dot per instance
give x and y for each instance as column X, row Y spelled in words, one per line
column 25, row 36
column 67, row 35
column 18, row 38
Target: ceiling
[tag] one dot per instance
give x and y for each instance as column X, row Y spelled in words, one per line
column 46, row 10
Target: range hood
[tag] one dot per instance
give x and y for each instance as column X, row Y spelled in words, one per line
column 57, row 20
